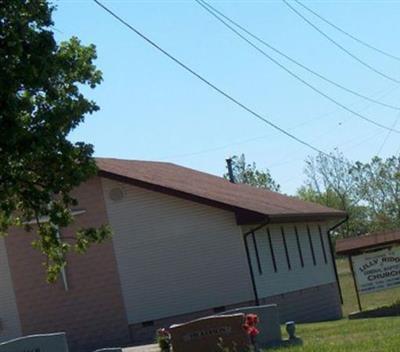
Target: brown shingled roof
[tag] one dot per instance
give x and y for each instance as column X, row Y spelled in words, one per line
column 354, row 245
column 199, row 186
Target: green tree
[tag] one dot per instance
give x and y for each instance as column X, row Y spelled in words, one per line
column 330, row 182
column 249, row 174
column 40, row 103
column 368, row 192
column 378, row 185
column 358, row 214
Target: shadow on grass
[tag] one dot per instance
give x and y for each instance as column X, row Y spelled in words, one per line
column 380, row 312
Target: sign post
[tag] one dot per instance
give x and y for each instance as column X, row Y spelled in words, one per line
column 355, row 283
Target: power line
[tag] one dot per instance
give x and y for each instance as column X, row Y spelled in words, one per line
column 341, row 47
column 245, row 141
column 262, row 41
column 370, row 46
column 385, row 92
column 276, row 62
column 388, row 134
column 209, row 150
column 211, row 85
column 272, row 167
column 241, row 142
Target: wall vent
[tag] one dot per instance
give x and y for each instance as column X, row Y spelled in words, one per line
column 116, row 194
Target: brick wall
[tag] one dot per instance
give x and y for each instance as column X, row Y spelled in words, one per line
column 92, row 312
column 319, row 303
column 313, row 304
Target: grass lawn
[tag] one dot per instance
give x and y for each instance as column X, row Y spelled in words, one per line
column 364, row 335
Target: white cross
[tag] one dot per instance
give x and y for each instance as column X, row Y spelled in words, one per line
column 43, row 219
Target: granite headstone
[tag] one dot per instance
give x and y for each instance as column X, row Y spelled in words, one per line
column 204, row 334
column 37, row 343
column 269, row 324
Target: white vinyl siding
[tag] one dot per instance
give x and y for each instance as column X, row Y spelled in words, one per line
column 271, row 283
column 175, row 256
column 9, row 318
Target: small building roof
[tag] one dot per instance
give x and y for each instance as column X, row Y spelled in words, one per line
column 250, row 204
column 354, row 245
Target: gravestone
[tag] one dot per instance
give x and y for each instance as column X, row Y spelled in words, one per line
column 203, row 334
column 269, row 325
column 37, row 343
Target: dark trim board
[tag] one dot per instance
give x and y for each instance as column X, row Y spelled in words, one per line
column 311, row 245
column 271, row 248
column 253, row 236
column 243, row 216
column 251, row 271
column 321, row 238
column 286, row 248
column 253, row 281
column 299, row 246
column 329, row 233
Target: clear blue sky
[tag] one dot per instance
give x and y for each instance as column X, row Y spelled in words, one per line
column 153, row 110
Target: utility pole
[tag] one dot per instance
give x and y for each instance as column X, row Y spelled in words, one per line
column 230, row 171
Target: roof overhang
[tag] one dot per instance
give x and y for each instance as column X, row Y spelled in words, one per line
column 243, row 216
column 356, row 245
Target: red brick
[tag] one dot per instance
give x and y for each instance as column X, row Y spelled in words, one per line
column 92, row 312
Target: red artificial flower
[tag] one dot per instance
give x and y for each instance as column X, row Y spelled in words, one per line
column 253, row 331
column 249, row 326
column 251, row 319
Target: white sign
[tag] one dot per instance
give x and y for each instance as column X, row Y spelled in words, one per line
column 378, row 270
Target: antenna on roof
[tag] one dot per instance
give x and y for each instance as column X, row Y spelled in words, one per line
column 230, row 171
